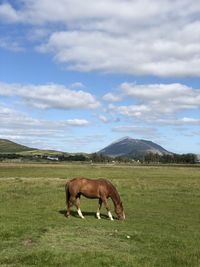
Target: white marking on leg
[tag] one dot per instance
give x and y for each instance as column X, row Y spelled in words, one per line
column 110, row 215
column 80, row 214
column 98, row 215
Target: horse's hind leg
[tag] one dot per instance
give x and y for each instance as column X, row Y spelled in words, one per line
column 70, row 202
column 68, row 209
column 78, row 207
column 98, row 209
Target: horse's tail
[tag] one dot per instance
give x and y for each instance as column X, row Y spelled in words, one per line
column 67, row 192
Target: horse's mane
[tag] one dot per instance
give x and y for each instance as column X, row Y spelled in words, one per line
column 114, row 193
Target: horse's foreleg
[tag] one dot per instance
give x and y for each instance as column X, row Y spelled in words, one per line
column 78, row 208
column 110, row 215
column 105, row 200
column 98, row 209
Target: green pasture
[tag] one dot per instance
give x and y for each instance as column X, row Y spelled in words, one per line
column 162, row 226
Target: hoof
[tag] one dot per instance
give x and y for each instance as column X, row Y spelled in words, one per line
column 98, row 216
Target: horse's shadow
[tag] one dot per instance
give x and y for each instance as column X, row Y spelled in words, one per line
column 74, row 213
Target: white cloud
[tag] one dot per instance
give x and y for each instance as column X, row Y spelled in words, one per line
column 162, row 92
column 155, row 100
column 110, row 97
column 77, row 85
column 145, row 55
column 45, row 11
column 8, row 13
column 38, row 33
column 50, row 96
column 13, row 119
column 135, row 37
column 104, row 119
column 131, row 111
column 161, row 104
column 180, row 121
column 109, row 118
column 10, row 118
column 77, row 122
column 65, row 11
column 12, row 45
column 136, row 130
column 20, row 127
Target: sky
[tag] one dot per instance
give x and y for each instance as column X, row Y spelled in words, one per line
column 77, row 75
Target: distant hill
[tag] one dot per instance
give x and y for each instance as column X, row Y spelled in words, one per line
column 7, row 146
column 42, row 152
column 132, row 148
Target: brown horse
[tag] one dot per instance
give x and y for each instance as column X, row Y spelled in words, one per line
column 100, row 189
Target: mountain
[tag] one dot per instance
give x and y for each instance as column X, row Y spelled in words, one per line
column 132, row 148
column 125, row 147
column 7, row 146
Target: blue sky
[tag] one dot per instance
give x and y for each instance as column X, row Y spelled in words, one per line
column 77, row 75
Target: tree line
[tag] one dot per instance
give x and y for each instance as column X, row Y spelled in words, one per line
column 77, row 157
column 101, row 158
column 171, row 158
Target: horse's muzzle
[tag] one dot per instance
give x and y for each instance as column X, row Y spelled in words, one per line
column 122, row 217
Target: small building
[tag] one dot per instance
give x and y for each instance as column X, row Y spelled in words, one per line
column 53, row 158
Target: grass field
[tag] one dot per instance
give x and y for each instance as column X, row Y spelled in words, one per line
column 162, row 226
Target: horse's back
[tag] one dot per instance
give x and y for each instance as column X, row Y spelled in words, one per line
column 91, row 188
column 83, row 180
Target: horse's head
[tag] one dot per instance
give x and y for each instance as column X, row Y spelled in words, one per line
column 120, row 211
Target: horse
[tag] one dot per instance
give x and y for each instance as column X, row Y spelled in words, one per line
column 101, row 189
